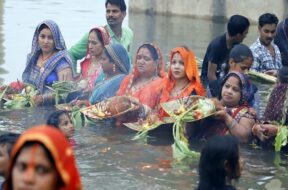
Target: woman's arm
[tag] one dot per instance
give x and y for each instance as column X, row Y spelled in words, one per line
column 65, row 74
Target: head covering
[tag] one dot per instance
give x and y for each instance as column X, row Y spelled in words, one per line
column 119, row 56
column 58, row 146
column 128, row 81
column 53, row 60
column 281, row 40
column 247, row 88
column 191, row 70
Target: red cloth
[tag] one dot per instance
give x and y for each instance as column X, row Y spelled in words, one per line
column 58, row 146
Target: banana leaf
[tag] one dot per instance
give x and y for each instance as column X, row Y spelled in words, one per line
column 281, row 138
column 261, row 77
column 143, row 128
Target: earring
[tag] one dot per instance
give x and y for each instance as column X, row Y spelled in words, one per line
column 114, row 68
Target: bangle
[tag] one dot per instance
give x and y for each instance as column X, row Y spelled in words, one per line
column 232, row 124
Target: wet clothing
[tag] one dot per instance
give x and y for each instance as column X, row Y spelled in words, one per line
column 58, row 61
column 263, row 60
column 78, row 50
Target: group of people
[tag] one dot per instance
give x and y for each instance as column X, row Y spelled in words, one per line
column 108, row 70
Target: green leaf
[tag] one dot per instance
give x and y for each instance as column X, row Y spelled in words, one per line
column 281, row 138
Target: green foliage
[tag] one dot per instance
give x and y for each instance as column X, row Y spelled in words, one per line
column 281, row 138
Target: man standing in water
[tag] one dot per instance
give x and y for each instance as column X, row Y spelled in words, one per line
column 218, row 50
column 115, row 14
column 267, row 56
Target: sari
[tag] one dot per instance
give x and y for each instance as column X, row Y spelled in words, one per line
column 58, row 61
column 58, row 146
column 108, row 87
column 276, row 109
column 281, row 40
column 191, row 69
column 214, row 126
column 148, row 94
column 87, row 60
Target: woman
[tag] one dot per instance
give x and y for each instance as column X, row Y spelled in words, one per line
column 43, row 159
column 145, row 81
column 220, row 163
column 116, row 65
column 276, row 109
column 48, row 61
column 183, row 78
column 91, row 65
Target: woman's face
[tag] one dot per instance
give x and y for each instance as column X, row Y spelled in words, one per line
column 177, row 67
column 231, row 92
column 145, row 62
column 242, row 67
column 66, row 125
column 33, row 170
column 107, row 66
column 94, row 45
column 46, row 41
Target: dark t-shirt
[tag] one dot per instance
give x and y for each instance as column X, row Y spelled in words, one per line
column 217, row 52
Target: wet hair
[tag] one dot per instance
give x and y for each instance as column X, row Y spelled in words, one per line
column 99, row 36
column 283, row 75
column 237, row 24
column 239, row 53
column 54, row 119
column 9, row 139
column 119, row 3
column 43, row 26
column 267, row 18
column 152, row 50
column 212, row 171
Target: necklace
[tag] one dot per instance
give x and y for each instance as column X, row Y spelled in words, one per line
column 176, row 92
column 43, row 61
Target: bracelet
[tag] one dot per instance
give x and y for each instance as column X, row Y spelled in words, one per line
column 232, row 124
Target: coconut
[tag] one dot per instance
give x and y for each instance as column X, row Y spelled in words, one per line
column 118, row 105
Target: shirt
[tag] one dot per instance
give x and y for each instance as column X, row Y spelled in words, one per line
column 263, row 60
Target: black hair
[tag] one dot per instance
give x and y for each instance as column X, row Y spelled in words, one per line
column 99, row 36
column 43, row 26
column 152, row 50
column 237, row 24
column 9, row 139
column 119, row 3
column 53, row 119
column 108, row 55
column 239, row 53
column 212, row 172
column 283, row 74
column 240, row 86
column 267, row 18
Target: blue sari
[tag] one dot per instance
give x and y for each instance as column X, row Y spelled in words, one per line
column 106, row 88
column 58, row 61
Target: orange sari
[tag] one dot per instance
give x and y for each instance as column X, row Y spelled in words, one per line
column 191, row 69
column 149, row 94
column 58, row 146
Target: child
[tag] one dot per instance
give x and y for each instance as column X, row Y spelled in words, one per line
column 61, row 119
column 220, row 163
column 7, row 142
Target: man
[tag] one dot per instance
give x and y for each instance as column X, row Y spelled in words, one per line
column 7, row 142
column 267, row 56
column 218, row 50
column 115, row 14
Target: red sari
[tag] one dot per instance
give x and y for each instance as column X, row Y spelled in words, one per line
column 191, row 69
column 149, row 94
column 59, row 148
